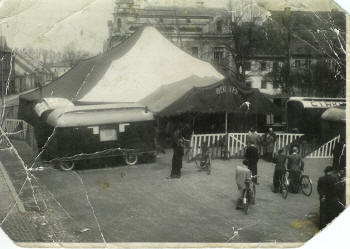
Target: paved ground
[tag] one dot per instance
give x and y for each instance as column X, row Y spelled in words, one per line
column 138, row 204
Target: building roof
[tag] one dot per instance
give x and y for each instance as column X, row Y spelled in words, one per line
column 29, row 65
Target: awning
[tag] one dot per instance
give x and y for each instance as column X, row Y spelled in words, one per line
column 336, row 114
column 92, row 115
column 319, row 103
column 224, row 96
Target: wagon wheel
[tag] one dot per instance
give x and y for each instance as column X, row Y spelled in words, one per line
column 131, row 158
column 66, row 165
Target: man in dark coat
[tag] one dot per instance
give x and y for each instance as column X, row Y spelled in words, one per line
column 280, row 169
column 269, row 144
column 178, row 148
column 295, row 166
column 252, row 155
column 330, row 206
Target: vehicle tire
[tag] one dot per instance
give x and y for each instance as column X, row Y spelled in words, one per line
column 131, row 158
column 284, row 191
column 306, row 185
column 66, row 165
column 245, row 201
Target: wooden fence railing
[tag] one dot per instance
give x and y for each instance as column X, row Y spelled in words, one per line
column 235, row 144
column 326, row 150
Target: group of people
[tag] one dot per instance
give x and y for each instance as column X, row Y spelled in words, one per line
column 331, row 186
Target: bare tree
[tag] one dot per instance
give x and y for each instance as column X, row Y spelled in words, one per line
column 72, row 56
column 245, row 26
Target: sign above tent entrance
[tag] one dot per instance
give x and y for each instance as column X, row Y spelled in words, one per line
column 226, row 89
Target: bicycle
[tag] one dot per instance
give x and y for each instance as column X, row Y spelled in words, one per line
column 203, row 161
column 248, row 194
column 283, row 185
column 302, row 182
column 188, row 150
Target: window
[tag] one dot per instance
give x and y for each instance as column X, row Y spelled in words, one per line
column 108, row 133
column 263, row 66
column 297, row 63
column 195, row 51
column 218, row 55
column 247, row 66
column 219, row 26
column 263, row 84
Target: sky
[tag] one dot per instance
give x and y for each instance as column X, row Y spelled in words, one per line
column 53, row 24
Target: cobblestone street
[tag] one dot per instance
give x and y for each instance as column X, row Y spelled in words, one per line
column 138, row 204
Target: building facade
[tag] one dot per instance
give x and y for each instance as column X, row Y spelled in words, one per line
column 200, row 31
column 6, row 68
column 28, row 74
column 58, row 69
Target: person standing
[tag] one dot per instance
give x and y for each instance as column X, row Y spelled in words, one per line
column 253, row 137
column 252, row 155
column 280, row 169
column 295, row 165
column 178, row 152
column 242, row 173
column 269, row 142
column 330, row 206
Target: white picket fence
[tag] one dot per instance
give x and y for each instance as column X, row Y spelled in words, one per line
column 235, row 143
column 326, row 150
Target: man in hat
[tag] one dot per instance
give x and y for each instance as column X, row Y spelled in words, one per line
column 330, row 205
column 280, row 169
column 176, row 162
column 295, row 165
column 252, row 155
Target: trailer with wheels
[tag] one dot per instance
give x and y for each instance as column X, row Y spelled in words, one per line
column 98, row 131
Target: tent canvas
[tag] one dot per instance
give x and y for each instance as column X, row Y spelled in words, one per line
column 128, row 73
column 224, row 96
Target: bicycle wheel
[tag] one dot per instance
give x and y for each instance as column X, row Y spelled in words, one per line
column 284, row 190
column 197, row 160
column 306, row 185
column 253, row 194
column 209, row 166
column 245, row 201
